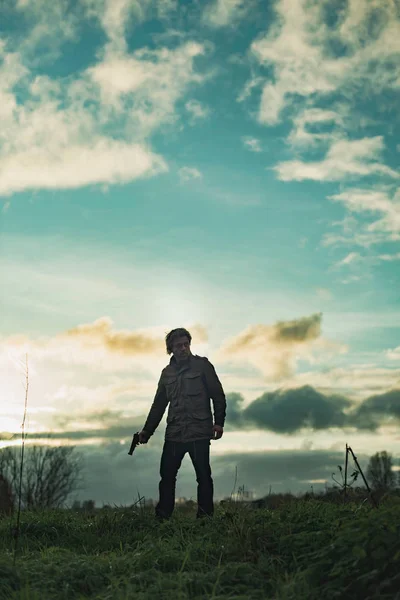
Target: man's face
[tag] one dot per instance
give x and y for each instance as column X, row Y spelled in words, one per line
column 181, row 348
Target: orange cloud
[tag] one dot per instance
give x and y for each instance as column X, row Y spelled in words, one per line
column 275, row 349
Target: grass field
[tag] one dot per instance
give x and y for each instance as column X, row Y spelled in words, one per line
column 305, row 549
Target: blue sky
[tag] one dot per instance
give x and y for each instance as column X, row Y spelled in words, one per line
column 227, row 166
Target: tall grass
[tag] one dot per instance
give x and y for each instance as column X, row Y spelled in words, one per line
column 301, row 550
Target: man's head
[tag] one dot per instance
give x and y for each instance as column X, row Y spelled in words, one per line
column 178, row 343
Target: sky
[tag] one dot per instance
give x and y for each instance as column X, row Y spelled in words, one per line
column 227, row 166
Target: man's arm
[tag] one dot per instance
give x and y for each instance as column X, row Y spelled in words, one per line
column 157, row 409
column 216, row 392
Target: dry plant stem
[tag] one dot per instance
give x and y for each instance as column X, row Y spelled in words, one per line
column 373, row 500
column 345, row 486
column 22, row 463
column 345, row 473
column 234, row 485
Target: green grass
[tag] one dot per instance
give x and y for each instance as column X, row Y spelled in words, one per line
column 302, row 550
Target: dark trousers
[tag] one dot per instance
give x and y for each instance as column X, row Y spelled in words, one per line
column 171, row 459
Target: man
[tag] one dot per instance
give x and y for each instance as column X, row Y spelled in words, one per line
column 187, row 384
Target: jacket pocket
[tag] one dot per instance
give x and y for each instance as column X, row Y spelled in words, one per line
column 194, row 384
column 201, row 416
column 170, row 386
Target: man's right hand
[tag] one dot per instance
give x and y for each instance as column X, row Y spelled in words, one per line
column 144, row 437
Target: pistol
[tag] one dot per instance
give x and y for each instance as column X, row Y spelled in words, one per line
column 135, row 442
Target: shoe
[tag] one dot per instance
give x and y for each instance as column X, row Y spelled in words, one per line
column 161, row 519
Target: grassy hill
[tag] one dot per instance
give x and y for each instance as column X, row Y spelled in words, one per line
column 300, row 549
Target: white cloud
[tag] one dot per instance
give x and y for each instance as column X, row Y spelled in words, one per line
column 389, row 257
column 345, row 158
column 358, row 236
column 365, row 229
column 300, row 135
column 221, row 13
column 52, row 24
column 250, row 85
column 188, row 173
column 58, row 21
column 394, row 353
column 298, row 61
column 353, row 279
column 197, row 109
column 354, row 381
column 350, row 258
column 104, row 161
column 298, row 46
column 367, row 202
column 145, row 86
column 252, row 144
column 360, row 200
column 324, row 293
column 114, row 16
column 44, row 145
column 165, row 7
column 58, row 136
column 76, row 400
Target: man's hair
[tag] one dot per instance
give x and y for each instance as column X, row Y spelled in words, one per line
column 175, row 333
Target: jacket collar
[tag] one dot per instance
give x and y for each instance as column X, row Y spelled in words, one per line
column 183, row 366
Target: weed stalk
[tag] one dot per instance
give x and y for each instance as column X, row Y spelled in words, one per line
column 22, row 463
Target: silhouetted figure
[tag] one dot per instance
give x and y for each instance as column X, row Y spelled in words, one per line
column 187, row 384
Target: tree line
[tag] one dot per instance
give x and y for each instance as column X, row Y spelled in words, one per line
column 52, row 473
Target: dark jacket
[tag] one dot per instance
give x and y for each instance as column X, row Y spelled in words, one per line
column 188, row 389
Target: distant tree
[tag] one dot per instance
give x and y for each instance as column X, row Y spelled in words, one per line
column 50, row 474
column 380, row 473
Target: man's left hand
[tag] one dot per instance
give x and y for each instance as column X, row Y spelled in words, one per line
column 218, row 431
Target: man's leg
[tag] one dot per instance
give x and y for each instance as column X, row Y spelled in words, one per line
column 200, row 454
column 171, row 459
